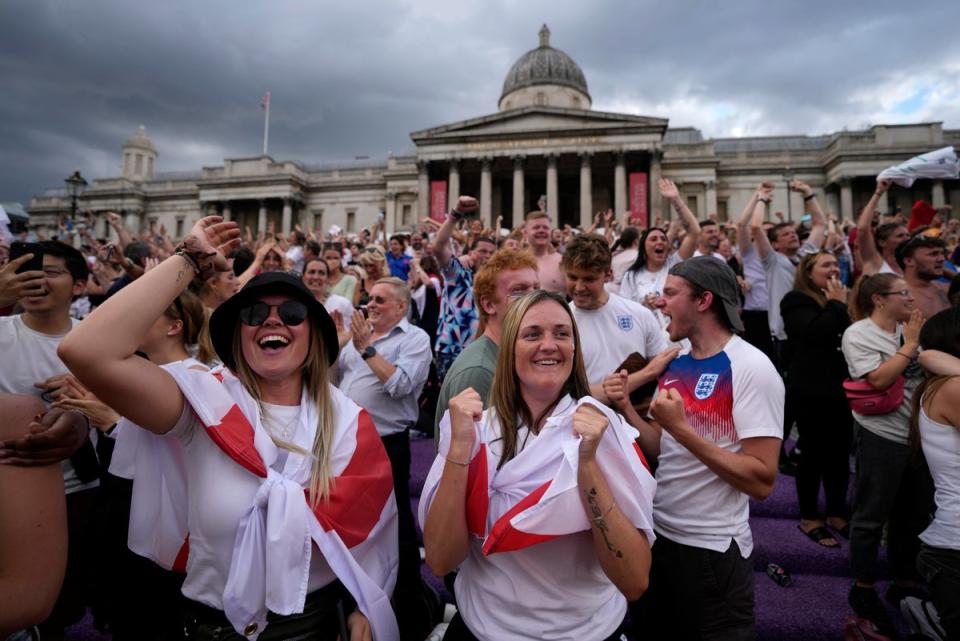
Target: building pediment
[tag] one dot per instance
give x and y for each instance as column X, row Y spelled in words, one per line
column 541, row 122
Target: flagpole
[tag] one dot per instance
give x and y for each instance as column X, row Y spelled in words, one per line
column 266, row 123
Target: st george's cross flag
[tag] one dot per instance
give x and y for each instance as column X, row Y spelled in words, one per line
column 941, row 163
column 355, row 530
column 534, row 497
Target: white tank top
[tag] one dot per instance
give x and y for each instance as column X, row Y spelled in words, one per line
column 941, row 447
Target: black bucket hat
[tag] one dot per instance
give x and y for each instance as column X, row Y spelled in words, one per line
column 223, row 321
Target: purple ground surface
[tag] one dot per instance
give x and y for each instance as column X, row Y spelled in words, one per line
column 813, row 608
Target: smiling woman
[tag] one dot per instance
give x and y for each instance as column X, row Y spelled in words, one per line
column 543, row 439
column 272, row 451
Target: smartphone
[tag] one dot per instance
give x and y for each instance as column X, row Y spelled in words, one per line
column 18, row 249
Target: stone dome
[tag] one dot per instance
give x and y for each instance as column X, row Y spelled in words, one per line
column 140, row 140
column 544, row 66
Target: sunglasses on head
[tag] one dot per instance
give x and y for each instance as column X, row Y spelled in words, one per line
column 291, row 312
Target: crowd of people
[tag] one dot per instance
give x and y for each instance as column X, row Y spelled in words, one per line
column 209, row 437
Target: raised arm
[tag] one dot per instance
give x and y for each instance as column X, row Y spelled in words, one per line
column 870, row 259
column 445, row 535
column 623, row 551
column 764, row 195
column 689, row 243
column 116, row 222
column 100, row 351
column 818, row 222
column 441, row 249
column 744, row 235
column 33, row 527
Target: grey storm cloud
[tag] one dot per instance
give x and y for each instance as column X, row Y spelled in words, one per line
column 355, row 78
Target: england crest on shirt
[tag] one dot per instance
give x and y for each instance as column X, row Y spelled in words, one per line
column 705, row 386
column 625, row 321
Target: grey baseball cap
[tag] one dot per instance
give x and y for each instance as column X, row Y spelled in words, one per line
column 716, row 277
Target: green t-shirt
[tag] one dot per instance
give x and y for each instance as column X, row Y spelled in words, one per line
column 474, row 368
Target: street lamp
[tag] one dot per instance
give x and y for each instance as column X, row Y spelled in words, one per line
column 788, row 176
column 75, row 186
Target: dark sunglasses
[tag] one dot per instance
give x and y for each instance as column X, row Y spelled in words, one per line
column 291, row 312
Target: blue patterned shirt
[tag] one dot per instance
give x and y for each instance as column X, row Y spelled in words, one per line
column 458, row 311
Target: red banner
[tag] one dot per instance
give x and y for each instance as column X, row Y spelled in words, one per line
column 438, row 200
column 638, row 199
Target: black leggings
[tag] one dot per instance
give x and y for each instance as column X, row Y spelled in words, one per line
column 458, row 631
column 826, row 427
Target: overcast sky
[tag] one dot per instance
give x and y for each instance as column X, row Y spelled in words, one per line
column 355, row 78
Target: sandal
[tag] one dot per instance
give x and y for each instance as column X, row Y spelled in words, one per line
column 842, row 531
column 818, row 534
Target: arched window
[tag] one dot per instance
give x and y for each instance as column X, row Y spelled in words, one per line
column 541, row 99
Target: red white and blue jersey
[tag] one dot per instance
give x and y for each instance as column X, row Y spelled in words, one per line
column 733, row 395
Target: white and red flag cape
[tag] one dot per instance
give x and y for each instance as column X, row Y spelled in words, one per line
column 355, row 530
column 534, row 497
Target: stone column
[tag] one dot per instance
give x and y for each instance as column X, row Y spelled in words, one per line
column 486, row 195
column 423, row 189
column 937, row 196
column 552, row 190
column 286, row 222
column 711, row 197
column 227, row 213
column 262, row 217
column 846, row 199
column 656, row 201
column 453, row 184
column 883, row 204
column 390, row 214
column 620, row 185
column 131, row 222
column 518, row 191
column 586, row 190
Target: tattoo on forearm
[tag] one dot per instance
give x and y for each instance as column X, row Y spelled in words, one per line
column 600, row 522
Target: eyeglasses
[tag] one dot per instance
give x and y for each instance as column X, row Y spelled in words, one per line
column 380, row 300
column 518, row 294
column 903, row 292
column 291, row 312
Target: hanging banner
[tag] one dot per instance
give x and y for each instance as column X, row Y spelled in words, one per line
column 638, row 199
column 438, row 200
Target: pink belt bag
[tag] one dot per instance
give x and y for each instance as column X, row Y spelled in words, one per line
column 866, row 400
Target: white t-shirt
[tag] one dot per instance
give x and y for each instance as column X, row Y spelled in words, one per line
column 338, row 303
column 780, row 270
column 620, row 264
column 30, row 357
column 733, row 395
column 757, row 299
column 295, row 256
column 866, row 346
column 220, row 495
column 615, row 331
column 716, row 255
column 941, row 447
column 637, row 283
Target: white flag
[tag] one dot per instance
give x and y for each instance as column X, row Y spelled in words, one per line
column 5, row 234
column 941, row 163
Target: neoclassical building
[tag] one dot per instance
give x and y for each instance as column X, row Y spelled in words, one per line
column 544, row 139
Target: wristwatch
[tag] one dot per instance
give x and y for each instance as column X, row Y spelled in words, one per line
column 369, row 352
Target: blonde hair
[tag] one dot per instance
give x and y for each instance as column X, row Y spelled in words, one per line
column 318, row 391
column 505, row 396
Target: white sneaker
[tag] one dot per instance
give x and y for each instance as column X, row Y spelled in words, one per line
column 922, row 617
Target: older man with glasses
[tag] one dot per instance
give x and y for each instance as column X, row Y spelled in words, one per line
column 383, row 366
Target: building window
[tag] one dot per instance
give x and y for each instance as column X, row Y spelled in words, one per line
column 692, row 204
column 405, row 215
column 351, row 222
column 318, row 220
column 576, row 102
column 722, row 210
column 179, row 233
column 138, row 168
column 541, row 99
column 150, row 169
